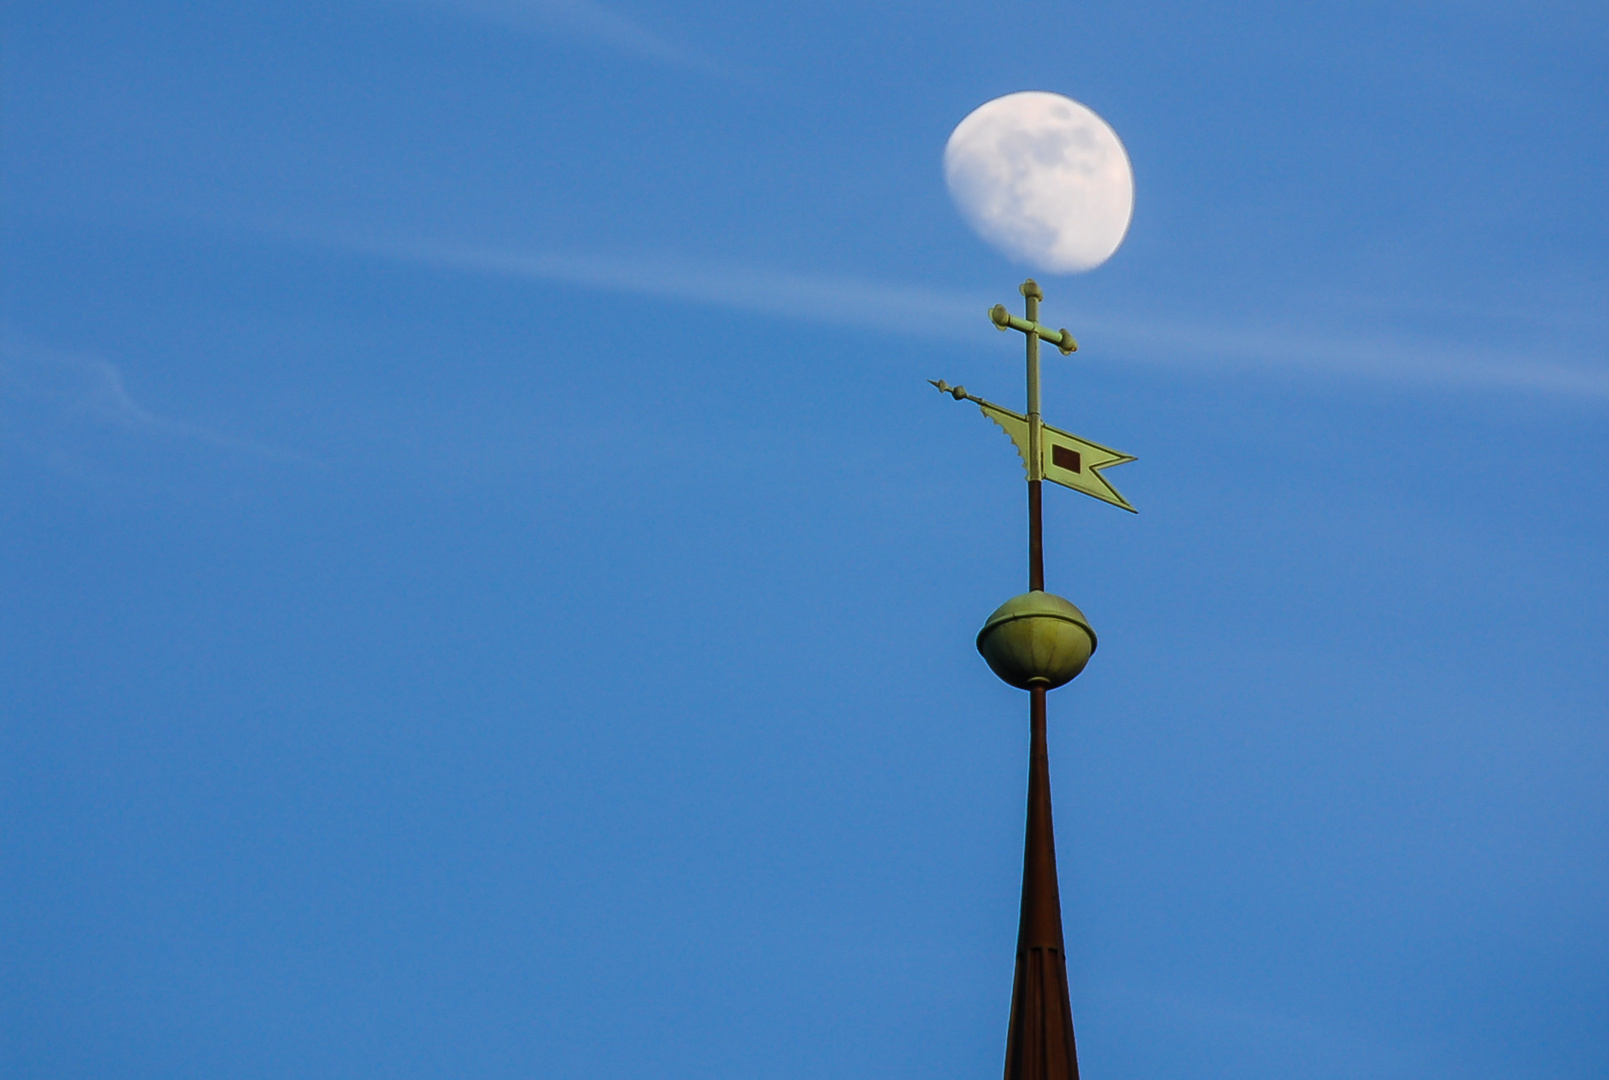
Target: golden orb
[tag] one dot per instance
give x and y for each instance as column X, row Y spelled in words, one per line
column 1036, row 639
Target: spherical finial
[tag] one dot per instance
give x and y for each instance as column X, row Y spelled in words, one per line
column 1036, row 639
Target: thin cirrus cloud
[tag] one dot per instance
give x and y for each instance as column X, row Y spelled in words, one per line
column 958, row 316
column 584, row 20
column 835, row 301
column 75, row 411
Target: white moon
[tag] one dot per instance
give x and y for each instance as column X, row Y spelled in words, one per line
column 1042, row 178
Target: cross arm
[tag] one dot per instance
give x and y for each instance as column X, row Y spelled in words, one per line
column 1005, row 320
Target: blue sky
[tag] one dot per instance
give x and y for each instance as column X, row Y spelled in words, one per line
column 490, row 592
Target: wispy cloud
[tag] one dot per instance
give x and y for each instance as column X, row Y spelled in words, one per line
column 75, row 411
column 1295, row 350
column 838, row 301
column 585, row 20
column 956, row 314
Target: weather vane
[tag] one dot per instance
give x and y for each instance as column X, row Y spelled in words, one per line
column 1037, row 642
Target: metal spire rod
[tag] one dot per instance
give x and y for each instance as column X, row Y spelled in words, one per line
column 1039, row 1040
column 1031, row 295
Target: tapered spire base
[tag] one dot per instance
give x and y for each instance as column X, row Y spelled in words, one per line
column 1040, row 1043
column 1040, row 1046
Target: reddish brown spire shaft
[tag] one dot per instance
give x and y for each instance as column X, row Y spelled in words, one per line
column 1040, row 1043
column 1036, row 538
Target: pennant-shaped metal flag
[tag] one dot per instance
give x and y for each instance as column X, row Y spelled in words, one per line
column 1064, row 457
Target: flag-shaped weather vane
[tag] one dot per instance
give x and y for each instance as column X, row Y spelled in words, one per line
column 1047, row 453
column 1037, row 642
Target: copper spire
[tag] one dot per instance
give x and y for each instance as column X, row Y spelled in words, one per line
column 1039, row 1044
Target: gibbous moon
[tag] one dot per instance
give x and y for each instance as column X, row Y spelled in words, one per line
column 1042, row 178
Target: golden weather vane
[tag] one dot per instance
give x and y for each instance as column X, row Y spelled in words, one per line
column 1047, row 453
